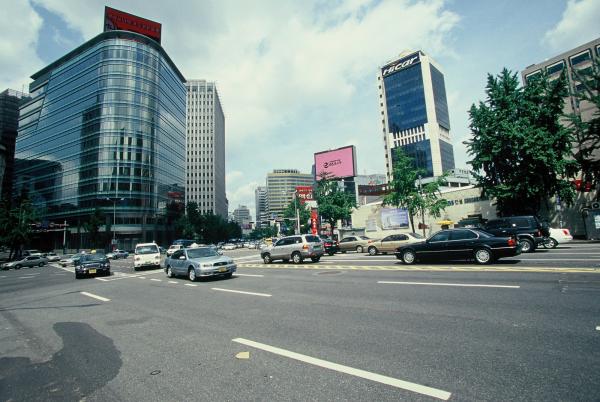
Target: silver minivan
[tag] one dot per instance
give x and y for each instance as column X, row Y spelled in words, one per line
column 295, row 248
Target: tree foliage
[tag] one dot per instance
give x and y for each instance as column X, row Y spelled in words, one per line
column 92, row 227
column 207, row 227
column 406, row 194
column 519, row 147
column 290, row 213
column 16, row 224
column 261, row 233
column 586, row 132
column 334, row 203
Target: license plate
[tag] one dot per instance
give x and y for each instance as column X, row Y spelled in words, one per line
column 92, row 271
column 317, row 247
column 222, row 269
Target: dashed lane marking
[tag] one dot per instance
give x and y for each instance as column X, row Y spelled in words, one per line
column 242, row 292
column 467, row 285
column 172, row 282
column 394, row 382
column 156, row 280
column 191, row 285
column 598, row 328
column 422, row 268
column 255, row 276
column 95, row 296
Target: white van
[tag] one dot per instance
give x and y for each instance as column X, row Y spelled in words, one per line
column 146, row 255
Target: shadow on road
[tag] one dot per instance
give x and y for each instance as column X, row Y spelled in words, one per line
column 86, row 363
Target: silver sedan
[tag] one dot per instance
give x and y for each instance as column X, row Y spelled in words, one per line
column 199, row 262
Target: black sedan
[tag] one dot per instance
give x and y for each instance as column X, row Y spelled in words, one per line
column 460, row 244
column 331, row 246
column 92, row 264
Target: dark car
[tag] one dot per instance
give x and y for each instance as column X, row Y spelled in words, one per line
column 529, row 230
column 331, row 246
column 92, row 264
column 460, row 244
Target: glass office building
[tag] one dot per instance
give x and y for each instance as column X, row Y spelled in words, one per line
column 105, row 130
column 414, row 111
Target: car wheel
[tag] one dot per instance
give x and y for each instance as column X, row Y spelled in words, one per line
column 267, row 259
column 526, row 245
column 297, row 258
column 408, row 257
column 18, row 266
column 372, row 251
column 550, row 243
column 315, row 259
column 331, row 253
column 359, row 249
column 483, row 256
column 41, row 264
column 169, row 272
column 228, row 276
column 192, row 274
column 77, row 276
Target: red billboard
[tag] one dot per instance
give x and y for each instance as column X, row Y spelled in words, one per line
column 337, row 163
column 122, row 21
column 304, row 193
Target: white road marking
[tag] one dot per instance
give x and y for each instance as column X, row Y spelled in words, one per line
column 256, row 276
column 172, row 282
column 156, row 280
column 242, row 292
column 95, row 296
column 409, row 386
column 103, row 279
column 598, row 328
column 469, row 285
column 141, row 277
column 26, row 277
column 190, row 284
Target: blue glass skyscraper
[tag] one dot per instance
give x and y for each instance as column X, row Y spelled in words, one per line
column 414, row 110
column 105, row 129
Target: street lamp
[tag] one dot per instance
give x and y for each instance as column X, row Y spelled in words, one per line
column 114, row 201
column 422, row 210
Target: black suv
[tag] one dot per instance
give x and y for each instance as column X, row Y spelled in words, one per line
column 528, row 229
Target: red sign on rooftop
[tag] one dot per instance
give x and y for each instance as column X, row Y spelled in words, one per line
column 120, row 20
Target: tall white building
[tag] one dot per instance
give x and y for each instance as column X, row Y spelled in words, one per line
column 205, row 148
column 414, row 113
column 281, row 186
column 242, row 216
column 262, row 210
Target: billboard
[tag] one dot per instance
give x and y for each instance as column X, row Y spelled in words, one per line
column 304, row 193
column 337, row 163
column 401, row 64
column 119, row 20
column 394, row 218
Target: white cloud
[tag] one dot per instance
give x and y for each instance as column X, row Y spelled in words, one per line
column 580, row 23
column 19, row 29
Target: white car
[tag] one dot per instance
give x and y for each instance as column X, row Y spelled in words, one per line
column 228, row 246
column 146, row 255
column 173, row 248
column 557, row 236
column 52, row 257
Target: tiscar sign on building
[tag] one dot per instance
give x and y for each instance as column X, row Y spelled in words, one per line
column 119, row 20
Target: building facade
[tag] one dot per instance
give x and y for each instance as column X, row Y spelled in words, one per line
column 281, row 186
column 579, row 59
column 262, row 206
column 241, row 215
column 105, row 130
column 10, row 101
column 205, row 148
column 414, row 113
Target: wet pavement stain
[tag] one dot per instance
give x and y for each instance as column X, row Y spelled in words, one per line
column 86, row 363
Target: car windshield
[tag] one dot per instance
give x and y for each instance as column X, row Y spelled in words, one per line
column 146, row 250
column 416, row 235
column 313, row 239
column 202, row 252
column 92, row 257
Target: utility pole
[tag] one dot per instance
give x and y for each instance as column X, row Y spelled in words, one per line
column 65, row 238
column 422, row 210
column 297, row 212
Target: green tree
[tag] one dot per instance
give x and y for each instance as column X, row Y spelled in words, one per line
column 334, row 203
column 290, row 214
column 16, row 224
column 519, row 147
column 407, row 193
column 586, row 133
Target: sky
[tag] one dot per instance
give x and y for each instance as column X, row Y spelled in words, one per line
column 299, row 77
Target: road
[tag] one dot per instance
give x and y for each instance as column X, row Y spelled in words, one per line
column 352, row 327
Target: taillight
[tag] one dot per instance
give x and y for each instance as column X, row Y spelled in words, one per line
column 539, row 233
column 566, row 232
column 511, row 242
column 305, row 247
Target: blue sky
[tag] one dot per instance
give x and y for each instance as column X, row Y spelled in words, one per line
column 297, row 78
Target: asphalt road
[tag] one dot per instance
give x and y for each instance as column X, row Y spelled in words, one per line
column 352, row 327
